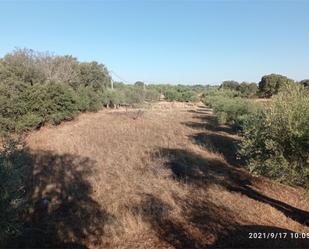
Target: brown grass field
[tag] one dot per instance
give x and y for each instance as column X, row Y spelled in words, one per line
column 165, row 176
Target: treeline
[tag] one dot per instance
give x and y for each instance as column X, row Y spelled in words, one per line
column 182, row 93
column 36, row 88
column 243, row 89
column 275, row 135
column 268, row 86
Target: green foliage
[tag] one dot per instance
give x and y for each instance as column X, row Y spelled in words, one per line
column 94, row 75
column 88, row 99
column 230, row 85
column 52, row 102
column 36, row 105
column 22, row 65
column 32, row 67
column 113, row 97
column 276, row 141
column 36, row 88
column 272, row 83
column 134, row 95
column 230, row 108
column 245, row 89
column 152, row 95
column 14, row 164
column 212, row 96
column 140, row 84
column 235, row 110
column 181, row 94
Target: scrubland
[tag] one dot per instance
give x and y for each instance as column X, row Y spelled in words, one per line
column 165, row 176
column 86, row 162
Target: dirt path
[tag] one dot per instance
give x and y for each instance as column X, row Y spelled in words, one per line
column 162, row 177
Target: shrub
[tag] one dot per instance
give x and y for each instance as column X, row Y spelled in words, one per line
column 181, row 95
column 112, row 97
column 247, row 90
column 52, row 102
column 229, row 108
column 229, row 85
column 28, row 121
column 276, row 141
column 88, row 99
column 172, row 95
column 14, row 164
column 36, row 105
column 12, row 107
column 133, row 95
column 272, row 83
column 236, row 110
column 152, row 95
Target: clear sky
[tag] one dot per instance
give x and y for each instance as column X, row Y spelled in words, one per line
column 167, row 41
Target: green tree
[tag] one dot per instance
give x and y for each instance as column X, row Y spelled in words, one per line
column 94, row 74
column 140, row 84
column 272, row 83
column 22, row 65
column 247, row 89
column 276, row 140
column 229, row 84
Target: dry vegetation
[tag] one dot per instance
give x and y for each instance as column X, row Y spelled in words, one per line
column 162, row 177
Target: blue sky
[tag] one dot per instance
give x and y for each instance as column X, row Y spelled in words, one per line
column 167, row 41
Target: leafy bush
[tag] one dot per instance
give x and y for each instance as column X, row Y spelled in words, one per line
column 235, row 110
column 272, row 83
column 229, row 85
column 229, row 108
column 133, row 95
column 52, row 102
column 276, row 141
column 88, row 99
column 152, row 95
column 11, row 107
column 36, row 105
column 112, row 97
column 180, row 94
column 245, row 89
column 14, row 164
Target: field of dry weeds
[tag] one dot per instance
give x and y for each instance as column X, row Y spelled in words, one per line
column 165, row 176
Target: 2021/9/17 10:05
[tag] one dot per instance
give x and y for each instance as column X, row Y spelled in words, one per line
column 278, row 235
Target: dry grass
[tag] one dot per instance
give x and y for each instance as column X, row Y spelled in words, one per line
column 164, row 177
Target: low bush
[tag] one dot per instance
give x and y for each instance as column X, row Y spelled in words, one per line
column 133, row 95
column 88, row 99
column 180, row 94
column 276, row 141
column 112, row 98
column 152, row 95
column 229, row 108
column 36, row 105
column 14, row 165
column 51, row 102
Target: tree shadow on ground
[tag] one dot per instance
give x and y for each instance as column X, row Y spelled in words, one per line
column 225, row 145
column 59, row 211
column 207, row 120
column 191, row 168
column 206, row 218
column 296, row 214
column 210, row 226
